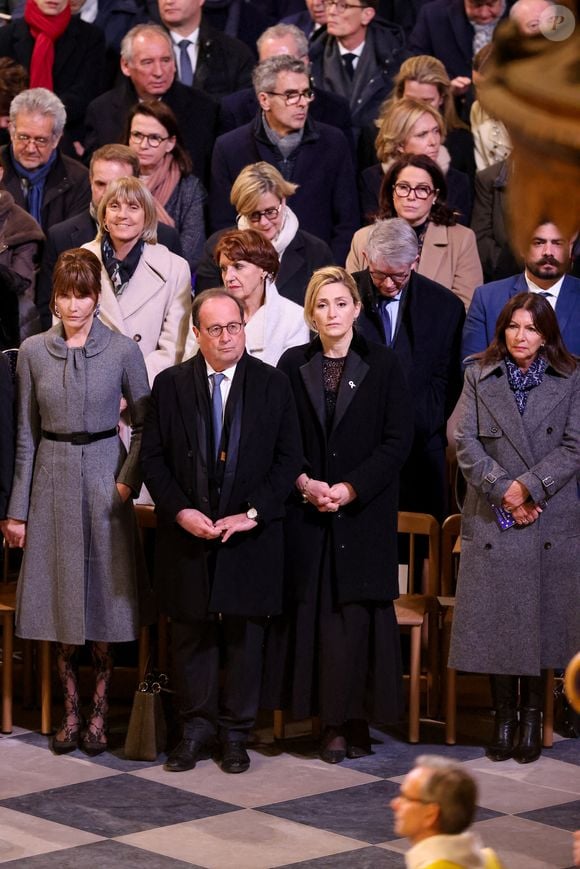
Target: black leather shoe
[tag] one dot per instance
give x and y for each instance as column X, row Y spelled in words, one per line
column 235, row 758
column 333, row 746
column 529, row 746
column 186, row 755
column 358, row 740
column 501, row 746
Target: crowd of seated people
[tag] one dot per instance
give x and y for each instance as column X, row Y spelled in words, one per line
column 325, row 185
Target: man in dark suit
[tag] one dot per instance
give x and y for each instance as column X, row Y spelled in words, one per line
column 46, row 183
column 220, row 454
column 241, row 108
column 314, row 156
column 107, row 164
column 309, row 20
column 148, row 65
column 205, row 57
column 546, row 265
column 422, row 321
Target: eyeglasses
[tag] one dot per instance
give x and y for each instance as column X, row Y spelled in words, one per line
column 421, row 191
column 402, row 796
column 341, row 6
column 152, row 139
column 39, row 141
column 292, row 98
column 270, row 213
column 231, row 329
column 397, row 279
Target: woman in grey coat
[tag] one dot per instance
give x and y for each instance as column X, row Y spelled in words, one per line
column 69, row 508
column 518, row 446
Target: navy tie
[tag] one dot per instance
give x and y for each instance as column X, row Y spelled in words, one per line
column 185, row 68
column 348, row 61
column 217, row 409
column 386, row 318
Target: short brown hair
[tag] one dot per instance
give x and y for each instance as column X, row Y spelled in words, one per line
column 212, row 293
column 13, row 80
column 321, row 278
column 251, row 246
column 453, row 789
column 77, row 272
column 116, row 154
column 161, row 112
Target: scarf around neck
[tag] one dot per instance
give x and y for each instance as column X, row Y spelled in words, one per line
column 162, row 182
column 521, row 382
column 120, row 271
column 34, row 182
column 45, row 30
column 286, row 234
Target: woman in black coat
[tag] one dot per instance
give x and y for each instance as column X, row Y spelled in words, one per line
column 339, row 644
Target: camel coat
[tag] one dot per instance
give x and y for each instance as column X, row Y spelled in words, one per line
column 80, row 574
column 449, row 256
column 154, row 309
column 518, row 593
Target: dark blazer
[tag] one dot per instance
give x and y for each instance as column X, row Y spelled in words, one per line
column 261, row 469
column 489, row 299
column 327, row 108
column 302, row 20
column 427, row 342
column 196, row 113
column 6, row 434
column 489, row 223
column 325, row 203
column 304, row 255
column 75, row 232
column 67, row 190
column 224, row 64
column 79, row 63
column 366, row 447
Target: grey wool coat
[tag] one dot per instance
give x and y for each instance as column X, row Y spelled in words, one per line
column 79, row 578
column 518, row 592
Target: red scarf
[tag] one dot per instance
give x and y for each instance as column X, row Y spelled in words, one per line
column 45, row 30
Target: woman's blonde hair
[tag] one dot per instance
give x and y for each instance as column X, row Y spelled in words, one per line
column 253, row 181
column 134, row 192
column 424, row 69
column 321, row 278
column 397, row 125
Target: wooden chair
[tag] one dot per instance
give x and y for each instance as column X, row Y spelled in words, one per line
column 418, row 611
column 450, row 553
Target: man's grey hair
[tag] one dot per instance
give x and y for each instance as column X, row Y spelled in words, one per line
column 265, row 73
column 283, row 31
column 453, row 789
column 40, row 101
column 138, row 30
column 393, row 241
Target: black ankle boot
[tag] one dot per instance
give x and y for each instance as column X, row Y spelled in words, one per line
column 529, row 746
column 504, row 691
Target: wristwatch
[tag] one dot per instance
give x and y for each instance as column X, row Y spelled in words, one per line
column 252, row 514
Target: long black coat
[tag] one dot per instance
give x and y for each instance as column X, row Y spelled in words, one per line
column 6, row 434
column 366, row 447
column 248, row 573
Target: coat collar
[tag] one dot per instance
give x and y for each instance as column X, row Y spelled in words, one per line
column 98, row 340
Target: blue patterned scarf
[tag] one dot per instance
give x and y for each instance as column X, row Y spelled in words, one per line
column 34, row 181
column 522, row 381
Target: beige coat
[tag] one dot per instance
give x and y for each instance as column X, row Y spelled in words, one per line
column 154, row 309
column 449, row 256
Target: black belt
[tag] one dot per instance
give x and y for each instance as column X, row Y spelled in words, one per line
column 79, row 438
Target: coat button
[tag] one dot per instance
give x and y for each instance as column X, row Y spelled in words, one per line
column 549, row 430
column 494, row 428
column 488, row 546
column 137, row 338
column 189, row 454
column 204, row 499
column 342, row 546
column 339, row 515
column 547, row 545
column 333, row 455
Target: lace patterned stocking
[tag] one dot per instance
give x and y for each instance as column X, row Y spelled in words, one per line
column 67, row 665
column 103, row 664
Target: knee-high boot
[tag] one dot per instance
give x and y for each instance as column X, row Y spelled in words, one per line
column 504, row 691
column 529, row 745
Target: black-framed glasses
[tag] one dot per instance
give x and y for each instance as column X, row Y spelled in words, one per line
column 231, row 329
column 271, row 213
column 398, row 279
column 39, row 141
column 292, row 98
column 341, row 6
column 421, row 191
column 152, row 139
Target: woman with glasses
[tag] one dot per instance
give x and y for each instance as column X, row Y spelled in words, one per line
column 414, row 127
column 248, row 264
column 259, row 196
column 415, row 189
column 336, row 652
column 166, row 169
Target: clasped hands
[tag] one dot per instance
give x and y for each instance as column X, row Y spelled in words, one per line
column 197, row 523
column 516, row 501
column 326, row 498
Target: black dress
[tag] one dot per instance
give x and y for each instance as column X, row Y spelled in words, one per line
column 337, row 660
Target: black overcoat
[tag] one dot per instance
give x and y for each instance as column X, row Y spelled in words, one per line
column 248, row 573
column 366, row 447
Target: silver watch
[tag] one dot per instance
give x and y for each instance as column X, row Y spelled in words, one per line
column 252, row 514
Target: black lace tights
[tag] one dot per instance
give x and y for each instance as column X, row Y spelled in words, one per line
column 67, row 664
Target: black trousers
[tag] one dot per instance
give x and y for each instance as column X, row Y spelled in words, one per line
column 206, row 711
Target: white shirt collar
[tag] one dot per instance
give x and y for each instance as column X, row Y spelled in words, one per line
column 177, row 37
column 554, row 290
column 356, row 51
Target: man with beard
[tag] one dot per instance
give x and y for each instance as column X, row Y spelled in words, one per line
column 546, row 262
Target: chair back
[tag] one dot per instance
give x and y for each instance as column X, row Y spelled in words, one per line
column 419, row 528
column 450, row 534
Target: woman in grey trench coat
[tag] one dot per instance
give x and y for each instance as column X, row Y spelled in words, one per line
column 69, row 507
column 518, row 446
